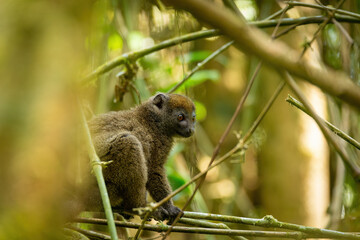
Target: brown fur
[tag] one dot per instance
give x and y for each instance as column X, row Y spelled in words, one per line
column 138, row 142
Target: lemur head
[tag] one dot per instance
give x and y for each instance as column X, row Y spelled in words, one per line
column 178, row 113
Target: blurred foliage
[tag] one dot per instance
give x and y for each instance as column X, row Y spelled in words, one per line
column 47, row 46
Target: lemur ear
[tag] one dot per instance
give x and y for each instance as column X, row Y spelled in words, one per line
column 160, row 99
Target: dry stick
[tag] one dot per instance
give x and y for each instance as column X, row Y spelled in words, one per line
column 322, row 7
column 333, row 128
column 226, row 132
column 278, row 13
column 228, row 128
column 97, row 169
column 331, row 140
column 271, row 222
column 240, row 146
column 135, row 55
column 200, row 65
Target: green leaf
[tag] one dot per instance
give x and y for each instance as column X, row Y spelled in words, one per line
column 196, row 56
column 115, row 42
column 201, row 111
column 198, row 78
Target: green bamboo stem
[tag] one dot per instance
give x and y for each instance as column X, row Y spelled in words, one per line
column 267, row 221
column 135, row 55
column 97, row 169
column 333, row 128
column 271, row 222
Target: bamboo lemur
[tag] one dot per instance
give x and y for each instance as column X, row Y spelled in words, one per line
column 138, row 142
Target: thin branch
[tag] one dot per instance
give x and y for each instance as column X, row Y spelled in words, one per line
column 91, row 234
column 97, row 169
column 135, row 55
column 137, row 235
column 232, row 6
column 322, row 7
column 331, row 140
column 206, row 224
column 271, row 222
column 201, row 64
column 240, row 146
column 321, row 27
column 222, row 139
column 278, row 13
column 263, row 112
column 333, row 128
column 301, row 232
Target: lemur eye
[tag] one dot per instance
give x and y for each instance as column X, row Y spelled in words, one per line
column 193, row 118
column 180, row 117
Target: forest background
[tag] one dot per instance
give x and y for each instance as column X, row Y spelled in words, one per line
column 112, row 55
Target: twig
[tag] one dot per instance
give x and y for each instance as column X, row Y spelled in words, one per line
column 206, row 224
column 333, row 128
column 322, row 7
column 217, row 148
column 90, row 233
column 97, row 169
column 73, row 234
column 201, row 64
column 271, row 222
column 232, row 6
column 263, row 113
column 331, row 140
column 137, row 235
column 331, row 15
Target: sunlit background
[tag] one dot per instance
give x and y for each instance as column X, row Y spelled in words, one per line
column 48, row 47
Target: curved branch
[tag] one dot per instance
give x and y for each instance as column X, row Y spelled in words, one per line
column 276, row 54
